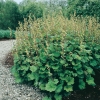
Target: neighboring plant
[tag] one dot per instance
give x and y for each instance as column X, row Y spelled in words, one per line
column 7, row 34
column 28, row 7
column 9, row 14
column 83, row 8
column 57, row 55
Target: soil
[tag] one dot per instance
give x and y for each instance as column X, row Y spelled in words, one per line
column 5, row 39
column 90, row 93
column 9, row 59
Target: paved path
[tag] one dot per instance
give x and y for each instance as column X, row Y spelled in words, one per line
column 9, row 90
column 5, row 47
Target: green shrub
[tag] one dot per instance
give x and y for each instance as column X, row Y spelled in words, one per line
column 6, row 34
column 57, row 55
column 1, row 35
column 83, row 8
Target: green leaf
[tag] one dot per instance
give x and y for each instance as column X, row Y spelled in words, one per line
column 38, row 40
column 62, row 62
column 90, row 58
column 62, row 76
column 89, row 70
column 56, row 54
column 81, row 76
column 43, row 68
column 70, row 48
column 69, row 58
column 50, row 74
column 42, row 86
column 50, row 86
column 88, row 51
column 28, row 60
column 74, row 74
column 97, row 56
column 25, row 68
column 33, row 68
column 35, row 83
column 31, row 76
column 56, row 81
column 43, row 58
column 55, row 67
column 90, row 81
column 57, row 97
column 93, row 63
column 59, row 88
column 81, row 84
column 66, row 65
column 68, row 88
column 51, row 47
column 80, row 72
column 46, row 98
column 14, row 71
column 96, row 48
column 18, row 80
column 82, row 46
column 75, row 56
column 77, row 66
column 73, row 63
column 53, row 58
column 36, row 76
column 69, row 80
column 78, row 57
column 84, row 59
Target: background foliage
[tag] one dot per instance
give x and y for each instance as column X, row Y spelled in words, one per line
column 7, row 34
column 11, row 12
column 84, row 7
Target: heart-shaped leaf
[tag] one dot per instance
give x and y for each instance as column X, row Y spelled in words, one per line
column 50, row 86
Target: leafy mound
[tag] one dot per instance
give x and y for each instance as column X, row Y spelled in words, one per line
column 57, row 55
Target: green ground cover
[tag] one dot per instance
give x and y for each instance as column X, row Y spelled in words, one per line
column 7, row 34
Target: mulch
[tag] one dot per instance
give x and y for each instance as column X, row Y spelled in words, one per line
column 90, row 93
column 4, row 39
column 9, row 59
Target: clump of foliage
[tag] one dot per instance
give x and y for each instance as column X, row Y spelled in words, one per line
column 28, row 7
column 56, row 54
column 7, row 34
column 9, row 14
column 83, row 8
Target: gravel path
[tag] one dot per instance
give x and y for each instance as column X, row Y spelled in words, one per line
column 9, row 90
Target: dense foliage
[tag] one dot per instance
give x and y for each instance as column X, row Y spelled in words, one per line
column 84, row 8
column 7, row 34
column 30, row 7
column 57, row 55
column 11, row 12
